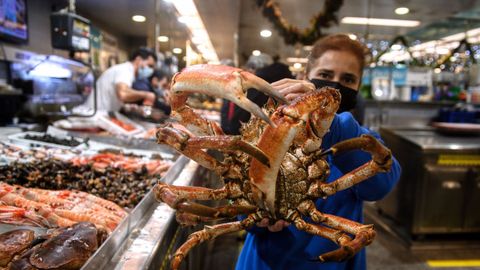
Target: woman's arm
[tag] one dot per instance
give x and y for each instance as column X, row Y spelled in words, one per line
column 344, row 127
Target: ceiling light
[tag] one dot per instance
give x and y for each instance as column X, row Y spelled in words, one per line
column 188, row 14
column 265, row 33
column 162, row 39
column 177, row 50
column 402, row 10
column 396, row 47
column 437, row 70
column 256, row 52
column 352, row 36
column 297, row 66
column 138, row 18
column 378, row 21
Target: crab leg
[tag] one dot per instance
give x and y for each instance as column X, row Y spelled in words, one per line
column 308, row 208
column 172, row 194
column 218, row 212
column 218, row 81
column 381, row 162
column 176, row 197
column 348, row 247
column 187, row 219
column 185, row 115
column 182, row 141
column 210, row 232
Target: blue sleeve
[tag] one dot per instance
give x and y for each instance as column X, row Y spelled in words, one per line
column 345, row 127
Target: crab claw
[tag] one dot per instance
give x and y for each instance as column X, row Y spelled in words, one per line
column 224, row 82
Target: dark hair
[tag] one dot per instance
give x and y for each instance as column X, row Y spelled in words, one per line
column 157, row 73
column 144, row 53
column 338, row 42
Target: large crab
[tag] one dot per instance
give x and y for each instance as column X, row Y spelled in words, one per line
column 276, row 169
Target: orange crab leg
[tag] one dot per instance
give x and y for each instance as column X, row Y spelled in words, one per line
column 187, row 219
column 219, row 81
column 192, row 147
column 214, row 212
column 210, row 232
column 348, row 247
column 172, row 195
column 182, row 141
column 381, row 162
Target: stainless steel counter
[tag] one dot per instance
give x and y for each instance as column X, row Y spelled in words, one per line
column 439, row 189
column 429, row 139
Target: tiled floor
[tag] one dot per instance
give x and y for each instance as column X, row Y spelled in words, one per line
column 386, row 252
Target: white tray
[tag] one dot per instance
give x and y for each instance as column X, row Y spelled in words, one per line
column 105, row 123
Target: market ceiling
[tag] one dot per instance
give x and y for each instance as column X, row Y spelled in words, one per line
column 224, row 18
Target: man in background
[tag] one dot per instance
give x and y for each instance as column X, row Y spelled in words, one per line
column 114, row 86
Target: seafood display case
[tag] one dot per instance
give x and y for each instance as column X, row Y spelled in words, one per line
column 142, row 240
column 149, row 231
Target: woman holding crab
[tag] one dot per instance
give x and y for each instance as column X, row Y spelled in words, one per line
column 335, row 61
column 295, row 161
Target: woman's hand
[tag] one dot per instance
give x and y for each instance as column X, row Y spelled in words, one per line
column 278, row 226
column 291, row 89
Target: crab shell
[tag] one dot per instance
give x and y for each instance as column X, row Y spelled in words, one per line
column 313, row 111
column 308, row 117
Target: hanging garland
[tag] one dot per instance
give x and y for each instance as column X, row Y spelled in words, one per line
column 291, row 34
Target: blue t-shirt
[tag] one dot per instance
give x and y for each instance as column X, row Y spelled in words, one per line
column 293, row 249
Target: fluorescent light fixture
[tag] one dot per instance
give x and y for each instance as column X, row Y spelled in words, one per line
column 177, row 50
column 378, row 21
column 297, row 66
column 138, row 18
column 256, row 52
column 266, row 33
column 188, row 14
column 352, row 36
column 445, row 44
column 402, row 10
column 162, row 39
column 297, row 60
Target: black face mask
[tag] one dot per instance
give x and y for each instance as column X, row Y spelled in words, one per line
column 349, row 96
